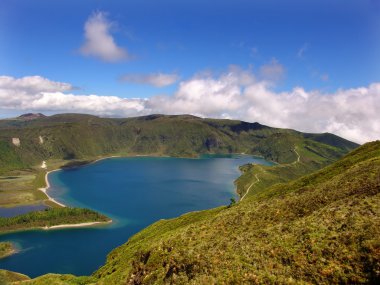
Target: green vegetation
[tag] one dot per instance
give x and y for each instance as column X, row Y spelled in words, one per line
column 85, row 137
column 19, row 187
column 256, row 178
column 302, row 157
column 50, row 217
column 9, row 277
column 323, row 228
column 8, row 158
column 6, row 249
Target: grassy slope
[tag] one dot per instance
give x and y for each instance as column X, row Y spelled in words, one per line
column 307, row 156
column 322, row 228
column 71, row 136
column 7, row 277
column 8, row 158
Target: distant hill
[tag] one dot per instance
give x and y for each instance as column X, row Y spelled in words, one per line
column 323, row 228
column 31, row 116
column 79, row 136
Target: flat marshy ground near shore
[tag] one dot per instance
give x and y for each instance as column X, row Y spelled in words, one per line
column 19, row 188
column 22, row 187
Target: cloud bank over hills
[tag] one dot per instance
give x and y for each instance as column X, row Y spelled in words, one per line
column 236, row 94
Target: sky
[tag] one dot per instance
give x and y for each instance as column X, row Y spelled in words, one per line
column 309, row 65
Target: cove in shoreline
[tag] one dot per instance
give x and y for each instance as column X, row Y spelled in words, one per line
column 134, row 192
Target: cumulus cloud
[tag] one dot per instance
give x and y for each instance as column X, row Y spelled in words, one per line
column 155, row 79
column 32, row 84
column 35, row 93
column 205, row 95
column 99, row 42
column 238, row 94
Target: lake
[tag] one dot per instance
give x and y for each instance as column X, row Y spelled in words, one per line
column 134, row 192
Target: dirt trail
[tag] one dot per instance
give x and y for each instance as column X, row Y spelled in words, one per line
column 250, row 186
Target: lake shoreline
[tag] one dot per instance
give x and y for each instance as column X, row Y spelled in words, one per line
column 213, row 175
column 58, row 227
column 76, row 164
column 46, row 188
column 79, row 164
column 9, row 250
column 79, row 225
column 89, row 162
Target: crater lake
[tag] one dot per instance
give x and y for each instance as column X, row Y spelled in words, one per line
column 134, row 192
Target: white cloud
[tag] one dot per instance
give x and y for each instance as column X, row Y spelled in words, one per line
column 99, row 41
column 273, row 71
column 32, row 84
column 155, row 79
column 238, row 94
column 37, row 93
column 205, row 95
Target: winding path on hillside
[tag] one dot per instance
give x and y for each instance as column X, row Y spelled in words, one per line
column 250, row 186
column 298, row 155
column 258, row 179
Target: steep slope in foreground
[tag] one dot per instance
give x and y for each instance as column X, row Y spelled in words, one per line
column 322, row 228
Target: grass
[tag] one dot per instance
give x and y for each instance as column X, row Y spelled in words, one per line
column 258, row 178
column 8, row 277
column 19, row 188
column 6, row 249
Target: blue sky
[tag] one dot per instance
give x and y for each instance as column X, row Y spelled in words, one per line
column 186, row 37
column 316, row 45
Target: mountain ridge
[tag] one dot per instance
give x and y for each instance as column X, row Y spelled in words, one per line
column 80, row 136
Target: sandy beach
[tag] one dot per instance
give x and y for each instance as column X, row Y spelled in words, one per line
column 45, row 189
column 76, row 225
column 99, row 159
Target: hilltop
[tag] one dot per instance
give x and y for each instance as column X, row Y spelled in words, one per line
column 322, row 228
column 30, row 116
column 78, row 136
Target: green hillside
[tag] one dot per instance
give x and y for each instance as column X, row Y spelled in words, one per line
column 75, row 136
column 323, row 228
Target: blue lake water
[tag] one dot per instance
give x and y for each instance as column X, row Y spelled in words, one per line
column 134, row 192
